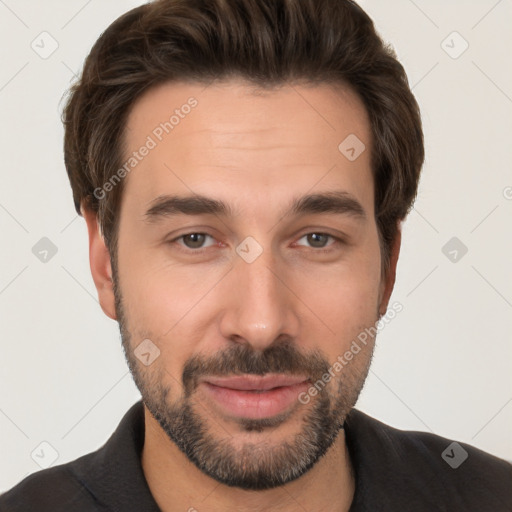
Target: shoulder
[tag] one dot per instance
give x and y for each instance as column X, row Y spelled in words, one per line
column 431, row 469
column 54, row 489
column 110, row 478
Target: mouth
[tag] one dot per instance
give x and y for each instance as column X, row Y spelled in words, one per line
column 255, row 396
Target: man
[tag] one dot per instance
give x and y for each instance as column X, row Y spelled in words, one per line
column 243, row 167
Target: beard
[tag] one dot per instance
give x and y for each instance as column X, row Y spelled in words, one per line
column 254, row 465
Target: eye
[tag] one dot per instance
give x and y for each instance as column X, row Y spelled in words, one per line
column 318, row 240
column 196, row 241
column 193, row 240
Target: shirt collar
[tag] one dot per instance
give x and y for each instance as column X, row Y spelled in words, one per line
column 114, row 475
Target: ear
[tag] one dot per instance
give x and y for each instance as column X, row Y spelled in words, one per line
column 99, row 260
column 388, row 279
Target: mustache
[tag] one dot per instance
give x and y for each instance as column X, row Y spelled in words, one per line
column 283, row 358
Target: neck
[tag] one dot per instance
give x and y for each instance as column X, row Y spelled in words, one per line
column 178, row 485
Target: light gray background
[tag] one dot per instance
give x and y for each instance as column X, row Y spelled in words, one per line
column 442, row 365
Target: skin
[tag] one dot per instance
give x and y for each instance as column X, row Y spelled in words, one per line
column 255, row 152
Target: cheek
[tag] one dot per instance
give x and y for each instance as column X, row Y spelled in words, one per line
column 346, row 304
column 158, row 302
column 169, row 305
column 357, row 275
column 156, row 311
column 345, row 300
column 153, row 293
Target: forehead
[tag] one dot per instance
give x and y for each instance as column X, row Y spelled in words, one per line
column 231, row 136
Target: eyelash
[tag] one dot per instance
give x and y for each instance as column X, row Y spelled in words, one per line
column 201, row 250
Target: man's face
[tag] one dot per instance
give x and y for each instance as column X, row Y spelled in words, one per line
column 260, row 290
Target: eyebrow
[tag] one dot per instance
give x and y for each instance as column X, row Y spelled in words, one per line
column 330, row 202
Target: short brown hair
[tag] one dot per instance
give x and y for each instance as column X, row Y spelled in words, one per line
column 266, row 42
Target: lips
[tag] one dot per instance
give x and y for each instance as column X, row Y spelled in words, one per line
column 254, row 396
column 255, row 382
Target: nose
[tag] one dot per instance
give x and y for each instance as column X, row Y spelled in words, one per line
column 260, row 307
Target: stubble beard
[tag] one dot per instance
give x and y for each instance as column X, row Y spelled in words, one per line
column 255, row 465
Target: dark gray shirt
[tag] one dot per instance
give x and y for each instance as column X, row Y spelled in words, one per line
column 395, row 470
